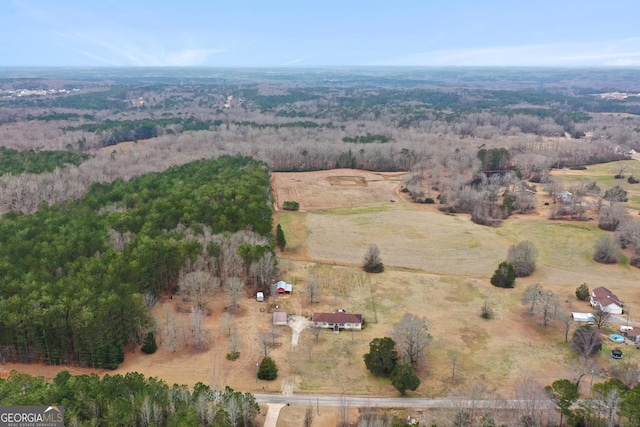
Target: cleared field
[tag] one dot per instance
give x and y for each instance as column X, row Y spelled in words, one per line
column 336, row 188
column 407, row 237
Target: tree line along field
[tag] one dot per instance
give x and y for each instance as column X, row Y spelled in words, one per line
column 416, row 168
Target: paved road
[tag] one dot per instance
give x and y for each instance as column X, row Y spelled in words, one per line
column 389, row 402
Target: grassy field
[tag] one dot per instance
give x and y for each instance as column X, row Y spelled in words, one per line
column 437, row 266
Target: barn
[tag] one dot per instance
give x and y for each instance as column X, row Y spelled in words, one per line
column 283, row 287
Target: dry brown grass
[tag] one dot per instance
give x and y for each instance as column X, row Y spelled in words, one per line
column 437, row 266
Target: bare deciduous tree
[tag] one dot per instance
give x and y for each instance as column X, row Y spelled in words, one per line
column 312, row 289
column 583, row 366
column 535, row 407
column 412, row 337
column 601, row 317
column 566, row 320
column 606, row 250
column 612, row 216
column 531, row 296
column 198, row 332
column 233, row 289
column 227, row 323
column 198, row 285
column 523, row 258
column 548, row 306
column 372, row 260
column 453, row 356
column 234, row 343
column 264, row 341
column 316, row 331
column 586, row 341
column 170, row 330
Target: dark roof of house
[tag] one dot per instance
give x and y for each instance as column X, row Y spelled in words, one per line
column 633, row 333
column 338, row 317
column 605, row 297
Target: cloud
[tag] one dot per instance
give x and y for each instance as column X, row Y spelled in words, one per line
column 120, row 50
column 294, row 61
column 620, row 52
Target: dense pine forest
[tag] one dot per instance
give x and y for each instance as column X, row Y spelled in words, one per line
column 75, row 275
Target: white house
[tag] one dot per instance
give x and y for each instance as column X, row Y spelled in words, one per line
column 338, row 320
column 605, row 300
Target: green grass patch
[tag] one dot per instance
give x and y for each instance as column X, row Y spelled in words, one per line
column 358, row 210
column 559, row 244
column 295, row 231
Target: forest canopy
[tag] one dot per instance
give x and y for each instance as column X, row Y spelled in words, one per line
column 73, row 275
column 132, row 399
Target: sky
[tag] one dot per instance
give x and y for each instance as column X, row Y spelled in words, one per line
column 303, row 33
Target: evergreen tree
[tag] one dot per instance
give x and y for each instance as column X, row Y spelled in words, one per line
column 268, row 369
column 564, row 394
column 404, row 378
column 582, row 292
column 282, row 242
column 382, row 357
column 149, row 346
column 504, row 276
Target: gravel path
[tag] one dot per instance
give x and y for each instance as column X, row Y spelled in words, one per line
column 297, row 324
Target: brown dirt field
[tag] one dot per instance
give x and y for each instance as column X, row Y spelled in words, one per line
column 335, row 188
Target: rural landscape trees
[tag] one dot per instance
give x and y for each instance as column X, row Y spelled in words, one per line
column 139, row 193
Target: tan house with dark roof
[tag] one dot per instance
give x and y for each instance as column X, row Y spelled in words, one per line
column 338, row 320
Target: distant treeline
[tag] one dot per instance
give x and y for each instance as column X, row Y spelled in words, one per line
column 17, row 162
column 116, row 131
column 366, row 139
column 68, row 295
column 130, row 400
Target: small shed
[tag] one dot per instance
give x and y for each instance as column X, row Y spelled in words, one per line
column 260, row 296
column 280, row 318
column 583, row 317
column 283, row 287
